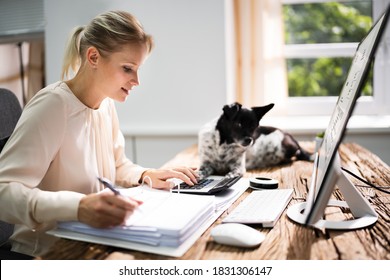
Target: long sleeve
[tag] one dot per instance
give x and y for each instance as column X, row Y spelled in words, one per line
column 24, row 162
column 53, row 158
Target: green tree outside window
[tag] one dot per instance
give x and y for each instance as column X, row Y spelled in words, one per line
column 329, row 22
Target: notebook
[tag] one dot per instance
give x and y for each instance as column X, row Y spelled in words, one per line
column 146, row 232
column 164, row 218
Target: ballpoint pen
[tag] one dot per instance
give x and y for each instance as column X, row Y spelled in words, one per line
column 109, row 185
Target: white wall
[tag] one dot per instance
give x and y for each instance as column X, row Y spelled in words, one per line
column 183, row 83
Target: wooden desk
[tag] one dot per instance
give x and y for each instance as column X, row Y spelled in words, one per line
column 286, row 240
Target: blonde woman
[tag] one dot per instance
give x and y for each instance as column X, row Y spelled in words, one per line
column 68, row 135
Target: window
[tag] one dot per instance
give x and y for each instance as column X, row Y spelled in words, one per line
column 321, row 37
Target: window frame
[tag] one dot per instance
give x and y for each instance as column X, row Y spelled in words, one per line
column 378, row 104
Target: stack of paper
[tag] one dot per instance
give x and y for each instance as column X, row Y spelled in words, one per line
column 166, row 223
column 164, row 219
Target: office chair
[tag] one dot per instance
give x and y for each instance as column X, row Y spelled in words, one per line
column 10, row 111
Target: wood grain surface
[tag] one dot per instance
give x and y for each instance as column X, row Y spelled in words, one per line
column 286, row 240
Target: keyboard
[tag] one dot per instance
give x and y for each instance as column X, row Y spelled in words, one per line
column 207, row 186
column 262, row 207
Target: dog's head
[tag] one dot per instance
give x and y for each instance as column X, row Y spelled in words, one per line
column 239, row 125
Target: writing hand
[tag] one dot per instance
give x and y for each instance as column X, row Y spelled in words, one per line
column 105, row 209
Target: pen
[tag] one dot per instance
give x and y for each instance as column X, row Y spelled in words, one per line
column 109, row 185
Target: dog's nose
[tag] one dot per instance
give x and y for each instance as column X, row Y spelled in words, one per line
column 247, row 141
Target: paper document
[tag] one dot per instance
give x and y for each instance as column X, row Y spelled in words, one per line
column 164, row 218
column 166, row 223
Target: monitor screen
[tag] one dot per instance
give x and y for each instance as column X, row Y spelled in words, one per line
column 319, row 193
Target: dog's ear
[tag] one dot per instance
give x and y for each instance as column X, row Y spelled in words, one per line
column 230, row 111
column 261, row 111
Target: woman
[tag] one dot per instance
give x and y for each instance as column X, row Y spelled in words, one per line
column 68, row 135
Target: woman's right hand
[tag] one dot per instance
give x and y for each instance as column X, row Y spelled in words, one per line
column 105, row 209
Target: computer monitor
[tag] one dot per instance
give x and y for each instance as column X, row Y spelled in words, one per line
column 327, row 172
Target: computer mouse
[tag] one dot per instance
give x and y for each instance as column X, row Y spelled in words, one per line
column 235, row 234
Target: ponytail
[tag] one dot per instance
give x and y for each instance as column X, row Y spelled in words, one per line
column 72, row 57
column 108, row 33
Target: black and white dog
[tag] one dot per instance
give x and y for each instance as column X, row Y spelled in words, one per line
column 235, row 142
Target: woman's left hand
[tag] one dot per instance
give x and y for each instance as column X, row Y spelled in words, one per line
column 159, row 177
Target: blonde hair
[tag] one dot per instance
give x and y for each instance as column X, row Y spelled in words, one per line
column 108, row 33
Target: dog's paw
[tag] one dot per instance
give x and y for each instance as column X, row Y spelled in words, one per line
column 204, row 172
column 233, row 174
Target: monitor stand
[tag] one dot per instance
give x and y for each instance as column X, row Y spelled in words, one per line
column 363, row 214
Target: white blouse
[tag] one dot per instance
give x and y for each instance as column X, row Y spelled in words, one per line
column 52, row 160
